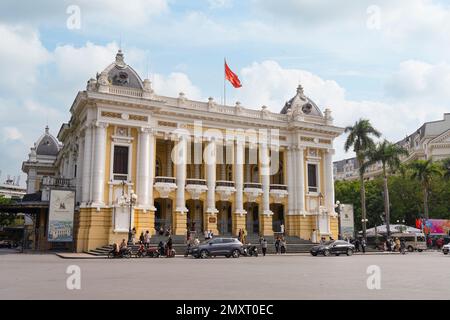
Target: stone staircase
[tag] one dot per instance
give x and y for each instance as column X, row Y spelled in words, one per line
column 294, row 244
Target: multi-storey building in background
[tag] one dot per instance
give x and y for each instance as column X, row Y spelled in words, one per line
column 430, row 141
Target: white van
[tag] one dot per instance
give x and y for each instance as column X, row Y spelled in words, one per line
column 413, row 241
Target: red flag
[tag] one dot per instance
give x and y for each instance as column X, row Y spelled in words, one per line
column 232, row 77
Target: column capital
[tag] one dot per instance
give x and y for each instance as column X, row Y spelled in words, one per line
column 101, row 124
column 146, row 130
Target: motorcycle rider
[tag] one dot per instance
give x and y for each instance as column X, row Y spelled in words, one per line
column 123, row 246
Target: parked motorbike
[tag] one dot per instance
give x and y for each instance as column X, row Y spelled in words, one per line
column 150, row 252
column 250, row 251
column 125, row 253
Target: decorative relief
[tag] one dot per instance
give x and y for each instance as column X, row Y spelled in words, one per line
column 167, row 124
column 136, row 117
column 307, row 139
column 324, row 141
column 108, row 114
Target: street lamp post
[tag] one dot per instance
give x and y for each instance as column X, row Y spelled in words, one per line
column 338, row 207
column 129, row 201
column 364, row 222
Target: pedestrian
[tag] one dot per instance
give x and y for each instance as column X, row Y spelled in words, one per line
column 206, row 233
column 240, row 235
column 169, row 247
column 133, row 235
column 147, row 239
column 357, row 245
column 283, row 245
column 277, row 245
column 363, row 245
column 244, row 235
column 211, row 234
column 141, row 238
column 282, row 229
column 397, row 244
column 264, row 246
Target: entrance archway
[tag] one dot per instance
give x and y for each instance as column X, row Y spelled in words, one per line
column 252, row 224
column 224, row 217
column 163, row 213
column 194, row 216
column 278, row 216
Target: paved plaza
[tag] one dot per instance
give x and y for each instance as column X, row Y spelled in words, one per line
column 412, row 276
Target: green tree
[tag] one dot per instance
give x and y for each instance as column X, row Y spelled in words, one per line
column 446, row 168
column 388, row 154
column 6, row 218
column 424, row 171
column 360, row 138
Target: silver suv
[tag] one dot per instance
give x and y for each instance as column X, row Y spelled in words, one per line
column 228, row 247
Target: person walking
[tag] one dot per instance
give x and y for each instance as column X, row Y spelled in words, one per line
column 277, row 245
column 240, row 235
column 363, row 245
column 264, row 246
column 282, row 229
column 206, row 234
column 133, row 235
column 169, row 247
column 357, row 243
column 397, row 244
column 147, row 239
column 283, row 245
column 141, row 238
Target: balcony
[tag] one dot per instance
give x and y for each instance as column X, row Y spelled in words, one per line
column 278, row 192
column 165, row 185
column 252, row 190
column 60, row 182
column 225, row 189
column 196, row 187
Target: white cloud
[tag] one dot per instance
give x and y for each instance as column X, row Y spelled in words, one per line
column 175, row 83
column 93, row 13
column 11, row 133
column 218, row 4
column 420, row 81
column 21, row 56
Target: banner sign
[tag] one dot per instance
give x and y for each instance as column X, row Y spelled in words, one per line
column 433, row 226
column 61, row 212
column 347, row 224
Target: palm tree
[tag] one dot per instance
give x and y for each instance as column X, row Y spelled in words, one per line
column 424, row 171
column 388, row 154
column 360, row 139
column 446, row 168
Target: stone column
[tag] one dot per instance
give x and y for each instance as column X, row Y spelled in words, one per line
column 300, row 179
column 79, row 176
column 86, row 171
column 239, row 175
column 210, row 161
column 145, row 173
column 99, row 164
column 291, row 181
column 265, row 178
column 181, row 159
column 329, row 181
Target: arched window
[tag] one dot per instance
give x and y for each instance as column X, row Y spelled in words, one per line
column 158, row 169
column 255, row 174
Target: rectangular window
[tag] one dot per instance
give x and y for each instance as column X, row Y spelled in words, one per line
column 312, row 178
column 120, row 164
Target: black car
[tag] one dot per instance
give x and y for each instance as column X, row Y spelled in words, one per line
column 335, row 247
column 228, row 247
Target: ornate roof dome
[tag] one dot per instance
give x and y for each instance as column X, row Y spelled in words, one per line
column 119, row 73
column 47, row 145
column 302, row 104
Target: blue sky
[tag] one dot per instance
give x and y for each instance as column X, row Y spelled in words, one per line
column 385, row 60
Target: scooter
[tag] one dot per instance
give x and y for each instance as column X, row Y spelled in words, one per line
column 250, row 251
column 125, row 253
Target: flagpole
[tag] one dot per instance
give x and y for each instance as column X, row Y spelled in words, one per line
column 224, row 83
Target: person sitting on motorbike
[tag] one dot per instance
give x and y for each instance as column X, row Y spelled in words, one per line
column 402, row 245
column 161, row 248
column 115, row 248
column 123, row 245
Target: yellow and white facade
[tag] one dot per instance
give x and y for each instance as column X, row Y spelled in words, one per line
column 194, row 165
